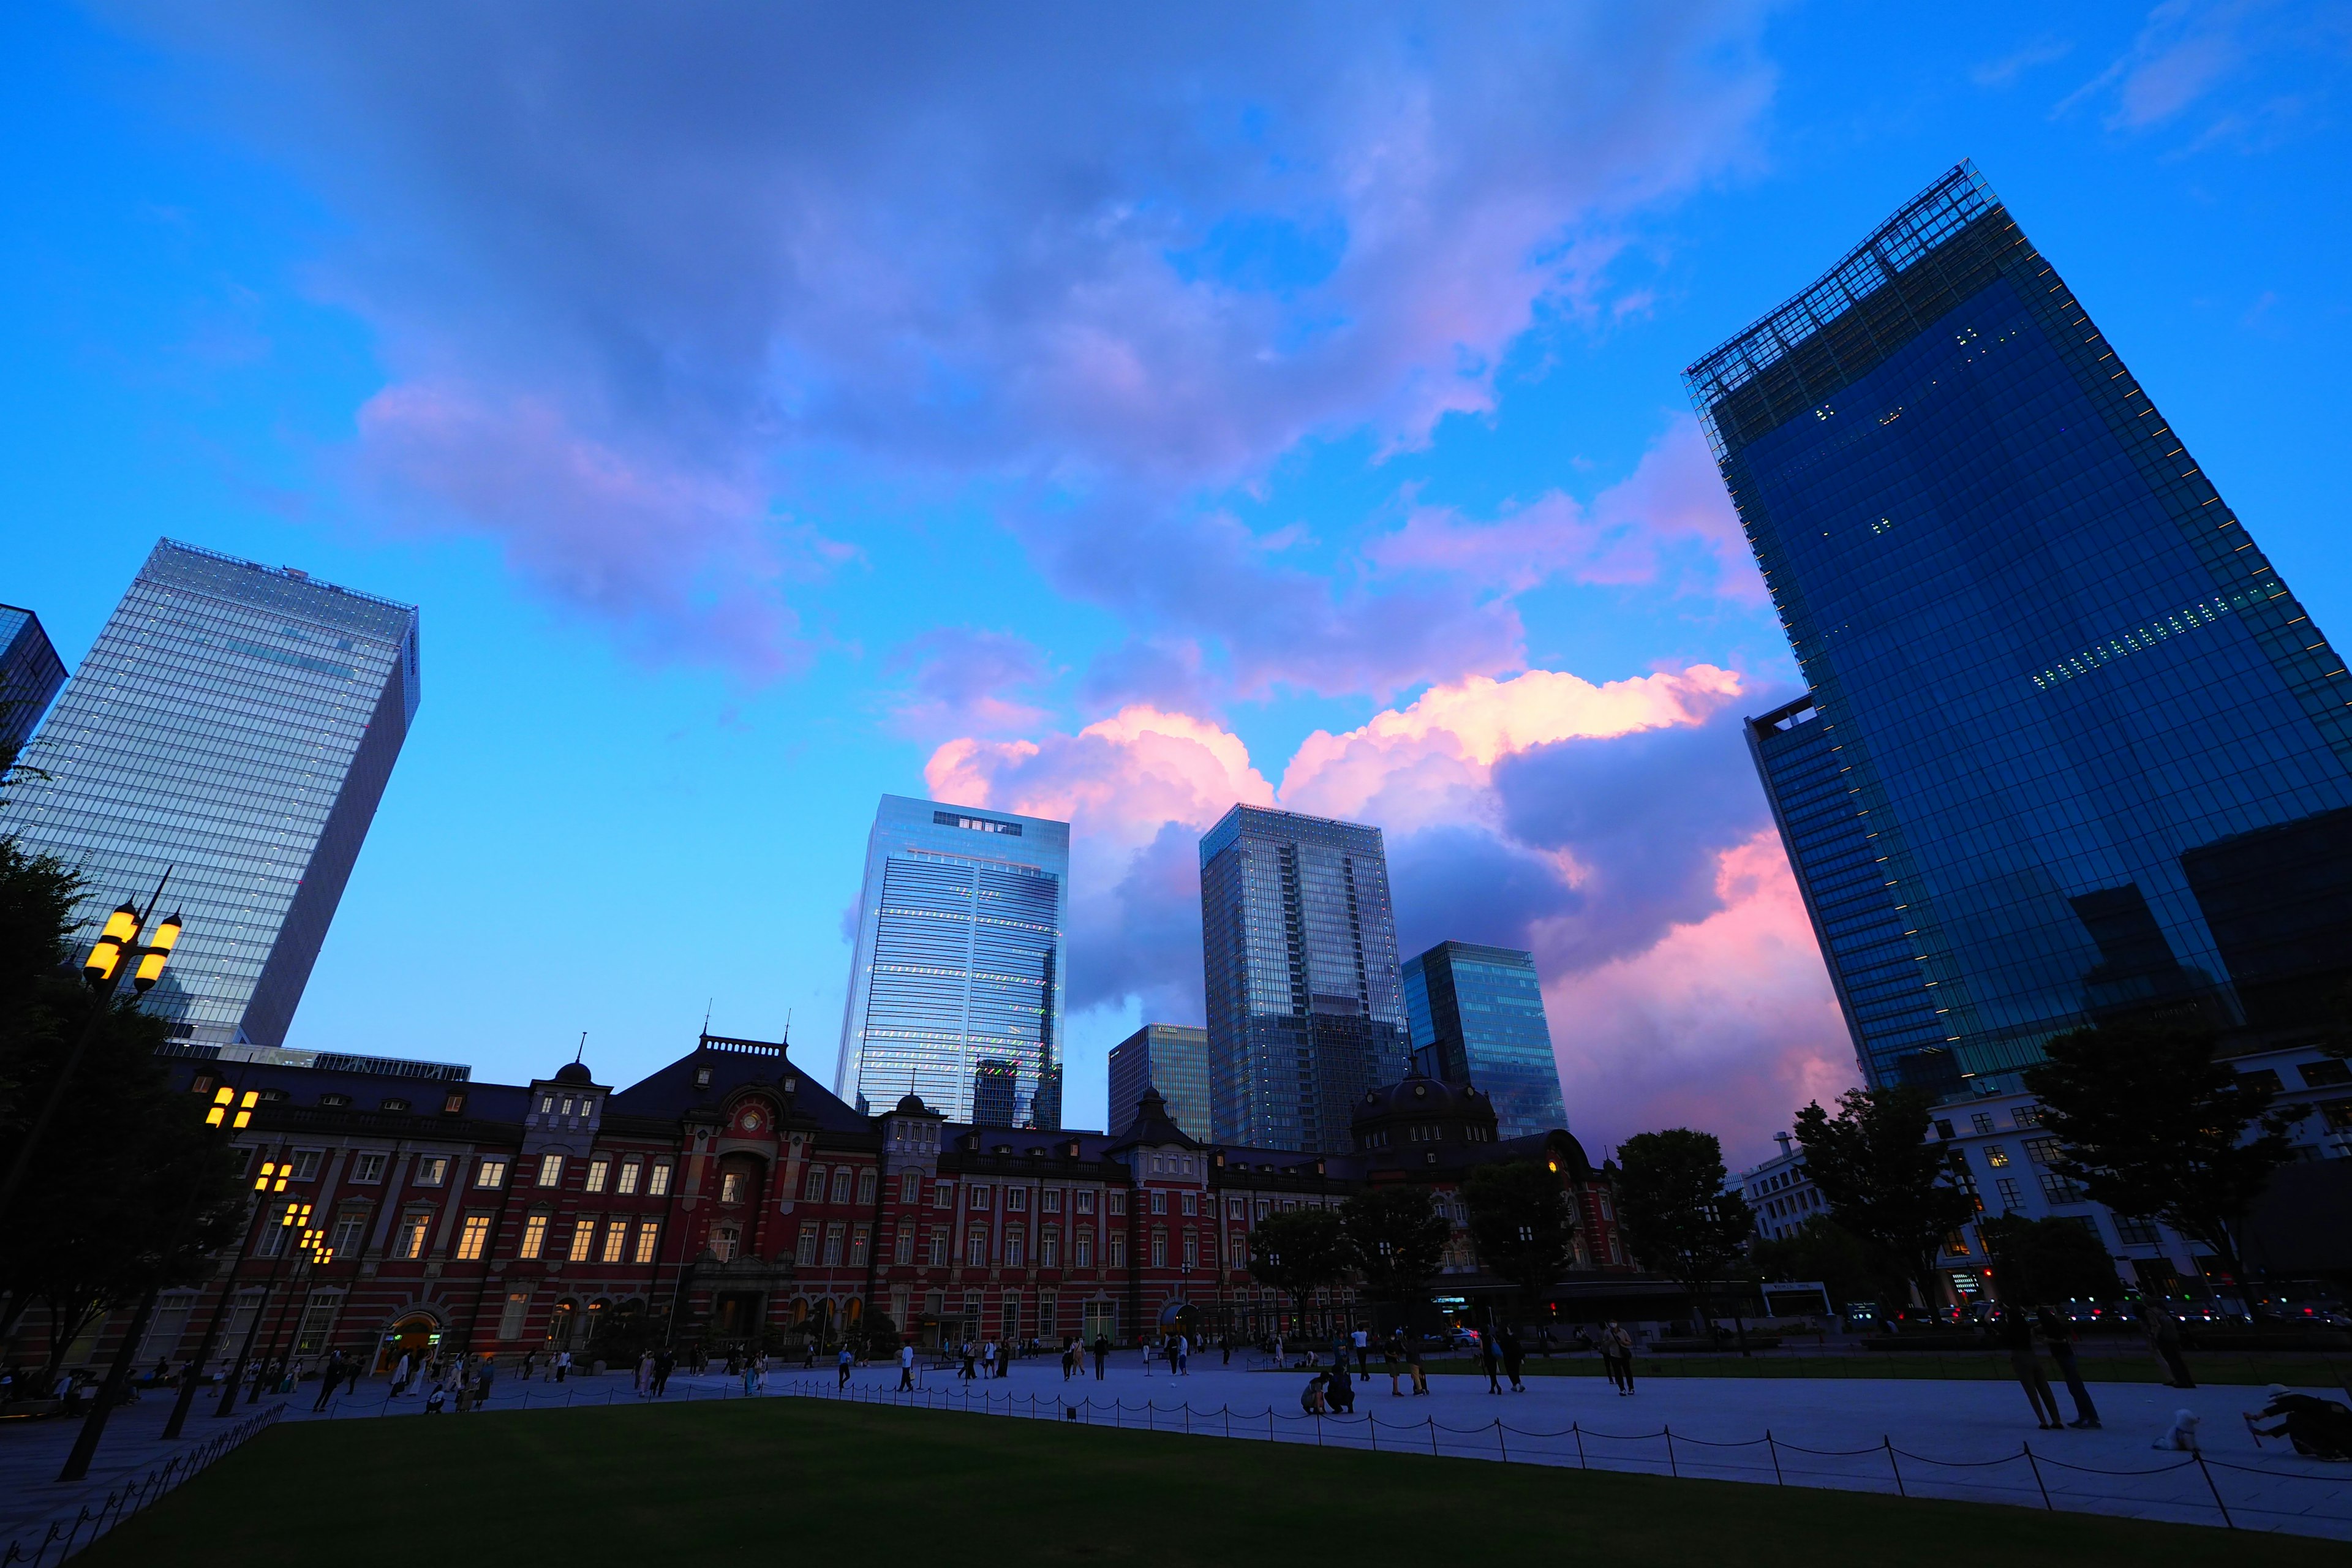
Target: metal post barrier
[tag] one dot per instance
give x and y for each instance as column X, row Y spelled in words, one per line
column 2038, row 1481
column 1672, row 1469
column 1505, row 1448
column 2207, row 1472
column 1888, row 1443
column 1432, row 1435
column 1577, row 1427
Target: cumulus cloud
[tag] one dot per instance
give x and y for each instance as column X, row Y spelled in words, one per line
column 1671, row 504
column 1614, row 829
column 966, row 677
column 1099, row 261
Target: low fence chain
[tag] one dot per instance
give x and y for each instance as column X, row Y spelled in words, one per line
column 67, row 1537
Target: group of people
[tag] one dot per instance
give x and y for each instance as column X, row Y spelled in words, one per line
column 466, row 1379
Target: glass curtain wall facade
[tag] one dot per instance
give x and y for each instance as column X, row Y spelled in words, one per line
column 1305, row 1006
column 237, row 724
column 30, row 674
column 1171, row 1058
column 1477, row 1016
column 2066, row 728
column 955, row 990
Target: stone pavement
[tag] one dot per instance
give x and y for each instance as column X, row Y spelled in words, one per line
column 33, row 1451
column 1718, row 1427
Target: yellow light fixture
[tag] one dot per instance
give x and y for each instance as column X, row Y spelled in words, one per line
column 106, row 953
column 219, row 1112
column 261, row 1182
column 159, row 952
column 245, row 1109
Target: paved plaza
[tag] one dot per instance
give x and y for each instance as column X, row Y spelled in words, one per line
column 1827, row 1432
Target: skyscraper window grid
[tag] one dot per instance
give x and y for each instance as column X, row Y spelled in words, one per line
column 2072, row 705
column 236, row 724
column 956, row 988
column 1305, row 1006
column 30, row 674
column 1476, row 1015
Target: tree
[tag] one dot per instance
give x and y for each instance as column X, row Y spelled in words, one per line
column 2149, row 1123
column 1522, row 1225
column 135, row 1202
column 1678, row 1215
column 1397, row 1238
column 1823, row 1249
column 1883, row 1179
column 1299, row 1252
column 2055, row 1259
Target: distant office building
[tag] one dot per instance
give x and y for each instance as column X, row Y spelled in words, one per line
column 2070, row 748
column 30, row 674
column 1172, row 1058
column 236, row 724
column 1477, row 1017
column 1306, row 1008
column 955, row 991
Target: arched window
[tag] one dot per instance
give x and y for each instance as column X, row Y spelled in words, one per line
column 814, row 1190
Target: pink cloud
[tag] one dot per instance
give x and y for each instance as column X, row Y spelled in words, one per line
column 1726, row 1023
column 1673, row 500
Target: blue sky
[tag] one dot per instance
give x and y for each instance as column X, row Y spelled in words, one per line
column 771, row 407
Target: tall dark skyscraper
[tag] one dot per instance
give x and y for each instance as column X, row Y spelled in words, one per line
column 1171, row 1058
column 30, row 674
column 1477, row 1016
column 2070, row 748
column 1306, row 1007
column 237, row 723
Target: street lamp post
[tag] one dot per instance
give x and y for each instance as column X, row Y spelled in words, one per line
column 229, row 1113
column 273, row 1178
column 116, row 949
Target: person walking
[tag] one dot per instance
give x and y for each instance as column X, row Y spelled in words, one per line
column 482, row 1382
column 2017, row 1335
column 1102, row 1355
column 988, row 1359
column 1489, row 1361
column 1392, row 1358
column 1069, row 1357
column 663, row 1365
column 562, row 1366
column 530, row 1364
column 1514, row 1356
column 1412, row 1364
column 906, row 1367
column 1624, row 1343
column 1363, row 1342
column 400, row 1376
column 332, row 1375
column 842, row 1365
column 2164, row 1339
column 2058, row 1337
column 969, row 1355
column 641, row 1382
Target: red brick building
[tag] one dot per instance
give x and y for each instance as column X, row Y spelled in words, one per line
column 728, row 1194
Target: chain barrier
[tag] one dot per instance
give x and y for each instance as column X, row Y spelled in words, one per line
column 63, row 1538
column 1340, row 1428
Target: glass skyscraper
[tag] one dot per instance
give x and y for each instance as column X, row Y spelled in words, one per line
column 30, row 674
column 1171, row 1058
column 955, row 991
column 1306, row 1007
column 2070, row 748
column 237, row 724
column 1477, row 1015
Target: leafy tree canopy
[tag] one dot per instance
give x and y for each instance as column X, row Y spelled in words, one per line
column 1398, row 1240
column 1884, row 1179
column 1300, row 1251
column 1677, row 1216
column 2038, row 1261
column 2152, row 1124
column 1823, row 1249
column 1521, row 1224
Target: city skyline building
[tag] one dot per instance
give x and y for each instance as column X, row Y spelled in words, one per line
column 1477, row 1016
column 30, row 674
column 1172, row 1058
column 1305, row 1006
column 235, row 724
column 2070, row 748
column 957, row 980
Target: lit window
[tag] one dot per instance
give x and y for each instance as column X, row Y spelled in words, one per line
column 534, row 1235
column 859, row 1240
column 617, row 1240
column 492, row 1174
column 632, row 1170
column 600, row 1170
column 453, row 1104
column 657, row 1180
column 1996, row 1156
column 583, row 1241
column 431, row 1170
column 551, row 1169
column 547, row 1105
column 416, row 1230
column 731, row 1187
column 648, row 1241
column 473, row 1237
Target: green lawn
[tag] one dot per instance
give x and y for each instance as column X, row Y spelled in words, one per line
column 2296, row 1372
column 784, row 1479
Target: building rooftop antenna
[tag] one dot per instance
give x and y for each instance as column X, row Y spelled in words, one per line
column 583, row 1047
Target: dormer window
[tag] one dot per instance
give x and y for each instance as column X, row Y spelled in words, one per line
column 702, row 1078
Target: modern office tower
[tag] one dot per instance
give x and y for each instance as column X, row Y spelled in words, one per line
column 955, row 991
column 1477, row 1015
column 1171, row 1058
column 1306, row 1009
column 2070, row 748
column 30, row 674
column 235, row 725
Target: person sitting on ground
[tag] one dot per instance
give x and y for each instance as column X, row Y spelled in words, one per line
column 1310, row 1399
column 2318, row 1428
column 1339, row 1393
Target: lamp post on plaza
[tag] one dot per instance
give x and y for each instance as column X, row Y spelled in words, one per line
column 229, row 1113
column 273, row 1178
column 116, row 950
